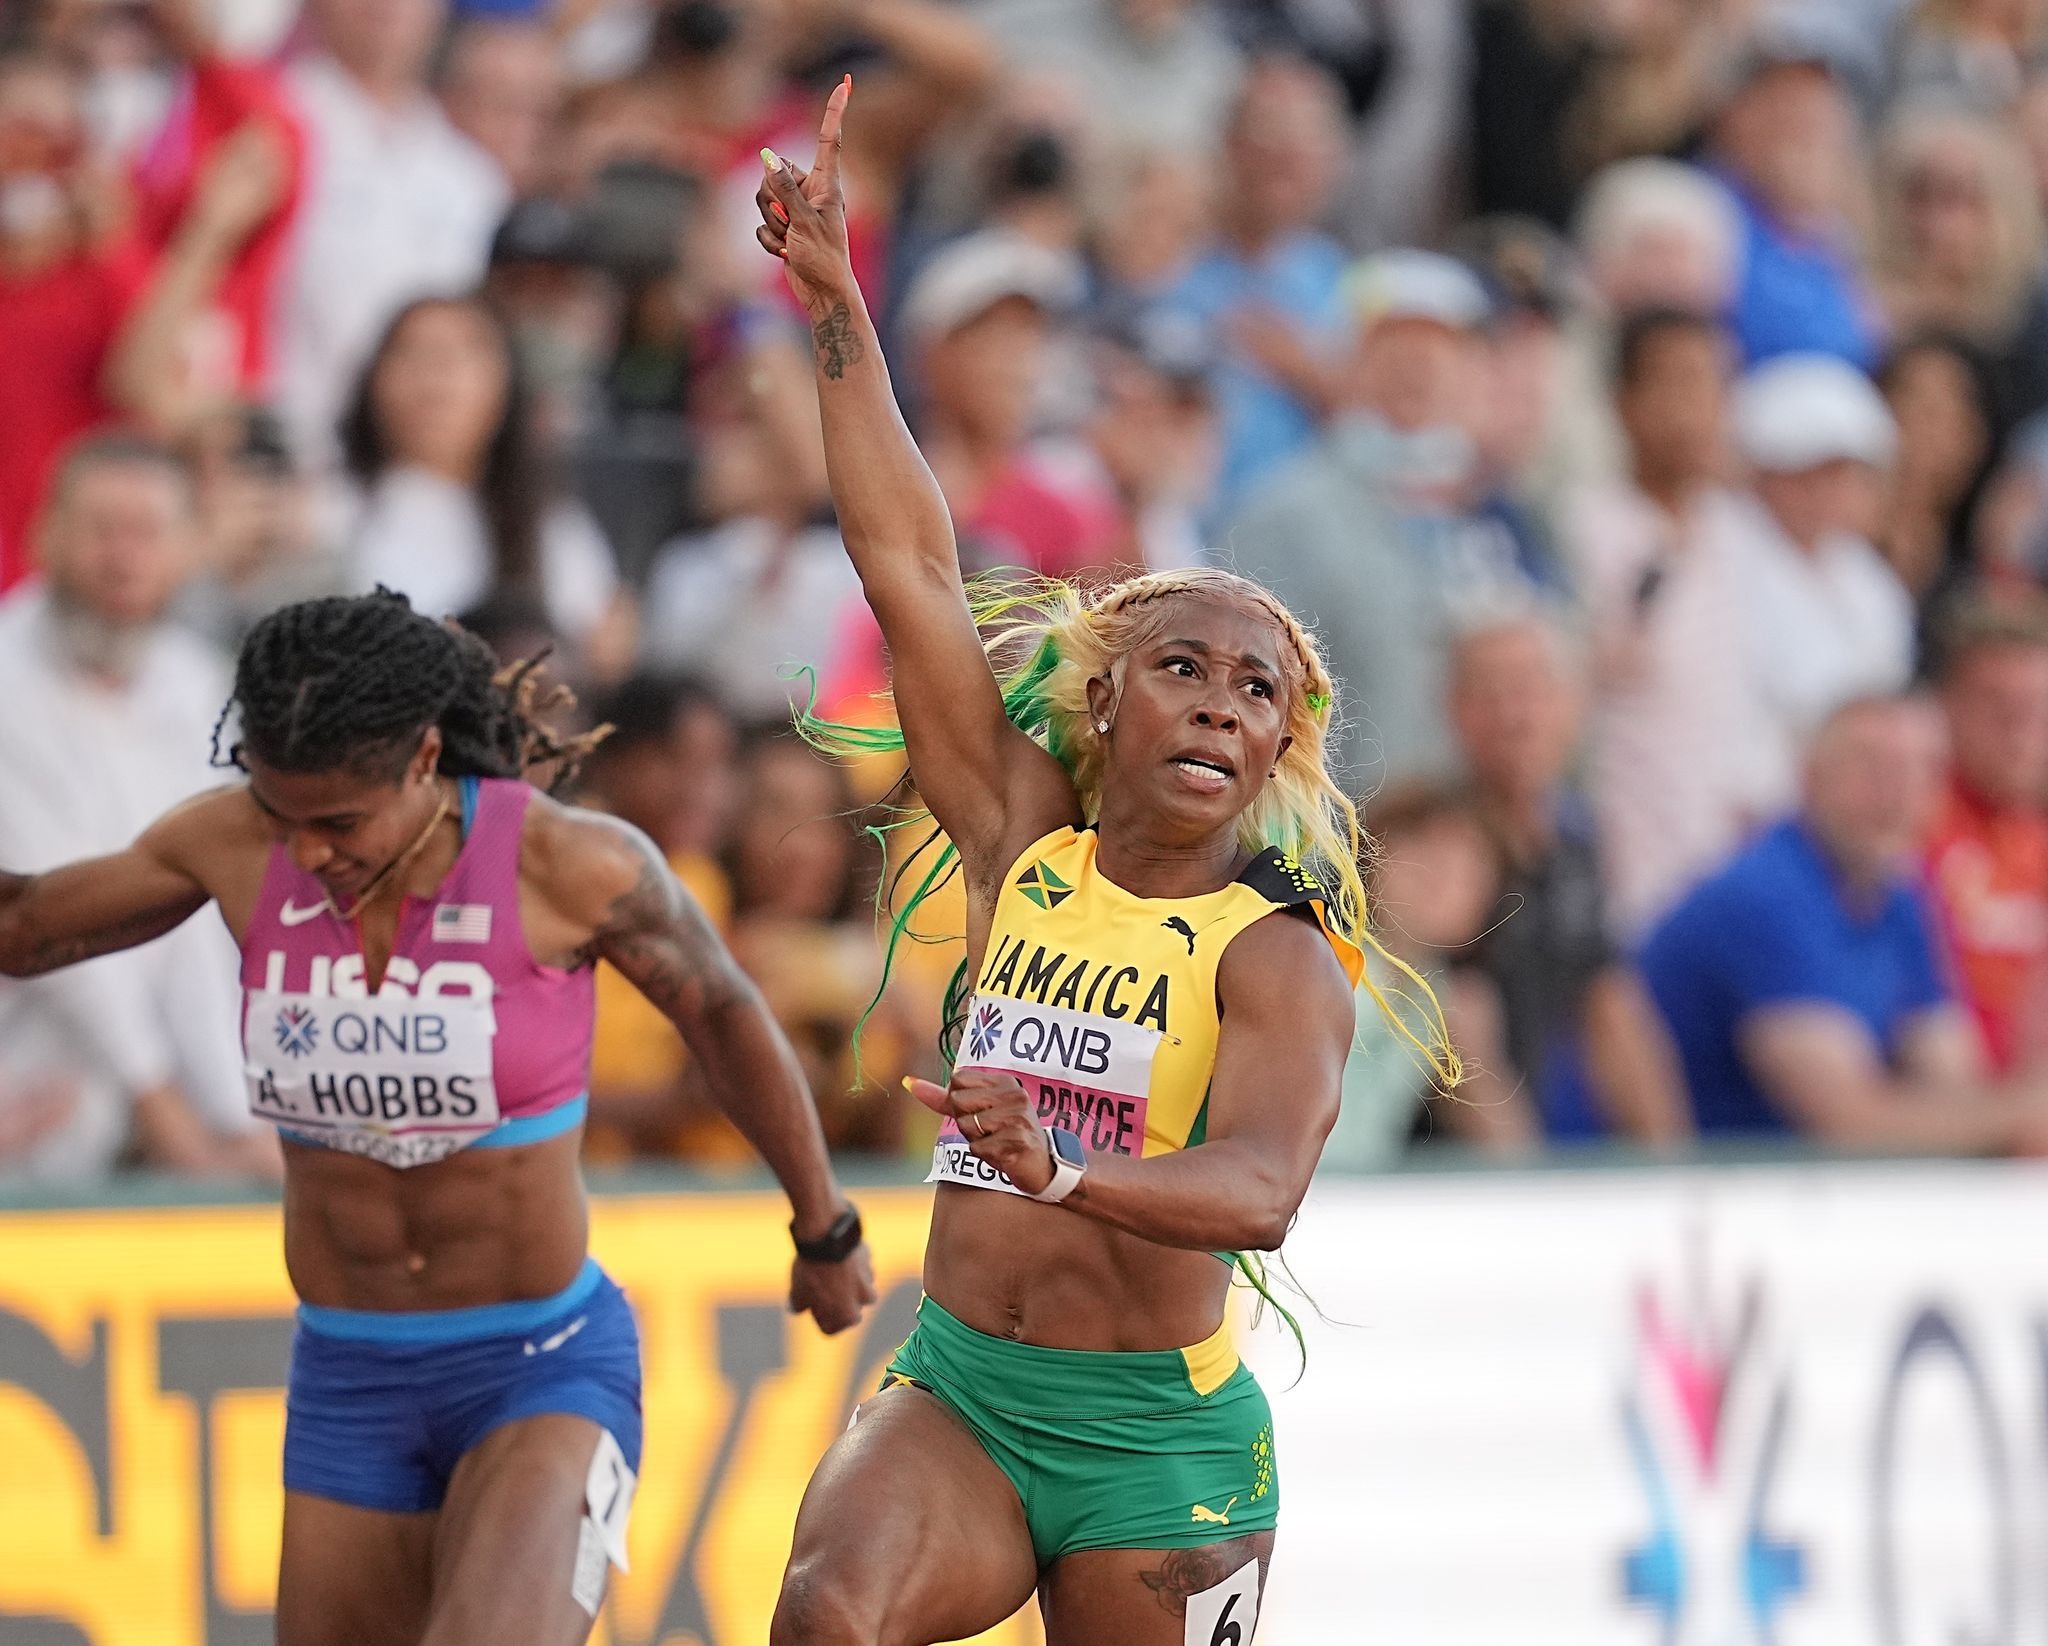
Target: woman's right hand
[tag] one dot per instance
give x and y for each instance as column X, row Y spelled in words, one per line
column 803, row 216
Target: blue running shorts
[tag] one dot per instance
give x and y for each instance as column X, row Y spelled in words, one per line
column 381, row 1407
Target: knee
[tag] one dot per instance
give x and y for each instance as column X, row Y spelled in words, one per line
column 821, row 1606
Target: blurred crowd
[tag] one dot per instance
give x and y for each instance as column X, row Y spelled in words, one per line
column 1646, row 400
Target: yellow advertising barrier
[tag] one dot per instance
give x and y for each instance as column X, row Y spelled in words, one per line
column 142, row 1359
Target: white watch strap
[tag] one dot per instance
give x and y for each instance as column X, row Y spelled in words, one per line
column 1064, row 1177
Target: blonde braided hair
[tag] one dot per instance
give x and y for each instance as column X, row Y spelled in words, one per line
column 1046, row 639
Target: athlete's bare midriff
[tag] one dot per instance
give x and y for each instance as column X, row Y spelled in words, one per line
column 1038, row 1274
column 482, row 1226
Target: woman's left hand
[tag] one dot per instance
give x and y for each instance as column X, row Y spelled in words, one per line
column 998, row 1122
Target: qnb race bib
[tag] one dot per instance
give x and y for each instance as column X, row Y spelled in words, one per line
column 1085, row 1074
column 402, row 1080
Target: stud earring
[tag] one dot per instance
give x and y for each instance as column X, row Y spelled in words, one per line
column 1103, row 727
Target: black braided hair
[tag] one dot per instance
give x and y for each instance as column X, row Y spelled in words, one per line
column 351, row 683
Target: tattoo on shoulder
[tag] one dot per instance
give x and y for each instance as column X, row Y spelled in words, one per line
column 837, row 344
column 659, row 939
column 1183, row 1573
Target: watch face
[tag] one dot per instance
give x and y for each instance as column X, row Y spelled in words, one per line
column 1068, row 1147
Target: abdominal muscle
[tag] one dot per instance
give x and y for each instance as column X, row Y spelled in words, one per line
column 1033, row 1273
column 483, row 1226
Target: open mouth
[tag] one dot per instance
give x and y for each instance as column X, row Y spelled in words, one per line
column 1201, row 773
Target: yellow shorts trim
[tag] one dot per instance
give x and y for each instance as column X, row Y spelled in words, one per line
column 1211, row 1361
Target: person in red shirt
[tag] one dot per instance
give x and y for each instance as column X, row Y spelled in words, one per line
column 94, row 316
column 1987, row 857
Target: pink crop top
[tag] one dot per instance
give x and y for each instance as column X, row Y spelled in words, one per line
column 468, row 1042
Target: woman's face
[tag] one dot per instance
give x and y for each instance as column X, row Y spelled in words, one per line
column 440, row 389
column 345, row 829
column 792, row 852
column 1201, row 720
column 1947, row 201
column 1941, row 429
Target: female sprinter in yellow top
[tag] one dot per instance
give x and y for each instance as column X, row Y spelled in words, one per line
column 1151, row 1041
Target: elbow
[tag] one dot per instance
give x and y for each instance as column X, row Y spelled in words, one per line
column 1265, row 1225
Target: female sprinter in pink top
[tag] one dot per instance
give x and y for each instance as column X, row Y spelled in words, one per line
column 1164, row 930
column 418, row 929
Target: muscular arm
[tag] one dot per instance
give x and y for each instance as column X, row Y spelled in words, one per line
column 103, row 904
column 1820, row 1065
column 1287, row 1025
column 986, row 782
column 642, row 920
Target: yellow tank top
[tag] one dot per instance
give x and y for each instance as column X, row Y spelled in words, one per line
column 1104, row 1003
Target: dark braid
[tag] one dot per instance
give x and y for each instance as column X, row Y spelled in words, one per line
column 353, row 682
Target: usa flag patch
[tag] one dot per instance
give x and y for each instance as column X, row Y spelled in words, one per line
column 462, row 923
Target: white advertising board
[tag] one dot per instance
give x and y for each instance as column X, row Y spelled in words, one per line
column 1772, row 1406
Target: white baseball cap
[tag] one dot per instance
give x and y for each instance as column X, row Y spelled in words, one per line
column 1802, row 410
column 1417, row 285
column 972, row 275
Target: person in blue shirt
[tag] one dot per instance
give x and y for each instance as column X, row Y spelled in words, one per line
column 1270, row 287
column 1784, row 145
column 1802, row 982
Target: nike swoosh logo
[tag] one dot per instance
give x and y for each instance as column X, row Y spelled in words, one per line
column 292, row 915
column 570, row 1331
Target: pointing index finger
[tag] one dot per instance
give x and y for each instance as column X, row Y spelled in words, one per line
column 827, row 164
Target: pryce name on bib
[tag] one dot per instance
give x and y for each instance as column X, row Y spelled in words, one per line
column 1085, row 1074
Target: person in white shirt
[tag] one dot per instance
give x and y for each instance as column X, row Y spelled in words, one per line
column 397, row 202
column 110, row 716
column 1676, row 734
column 1828, row 618
column 451, row 503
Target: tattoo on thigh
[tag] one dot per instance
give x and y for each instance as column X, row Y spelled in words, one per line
column 1182, row 1573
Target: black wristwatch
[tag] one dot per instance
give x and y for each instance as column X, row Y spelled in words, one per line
column 836, row 1244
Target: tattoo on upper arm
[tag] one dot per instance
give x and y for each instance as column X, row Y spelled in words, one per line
column 837, row 344
column 660, row 941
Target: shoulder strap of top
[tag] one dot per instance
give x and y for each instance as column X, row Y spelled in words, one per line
column 1285, row 884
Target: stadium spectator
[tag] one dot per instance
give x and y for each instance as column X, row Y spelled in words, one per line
column 1659, row 234
column 1675, row 724
column 1149, row 72
column 1585, row 1053
column 226, row 348
column 1803, row 982
column 1960, row 250
column 1533, row 284
column 1933, row 387
column 669, row 767
column 260, row 545
column 453, row 502
column 1827, row 619
column 1270, row 284
column 1152, row 437
column 501, row 85
column 110, row 712
column 1653, row 234
column 85, row 317
column 1785, row 145
column 1435, row 882
column 1987, row 855
column 1366, row 534
column 1970, row 52
column 803, row 927
column 398, row 202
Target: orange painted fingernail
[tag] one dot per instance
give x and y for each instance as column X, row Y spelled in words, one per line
column 776, row 207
